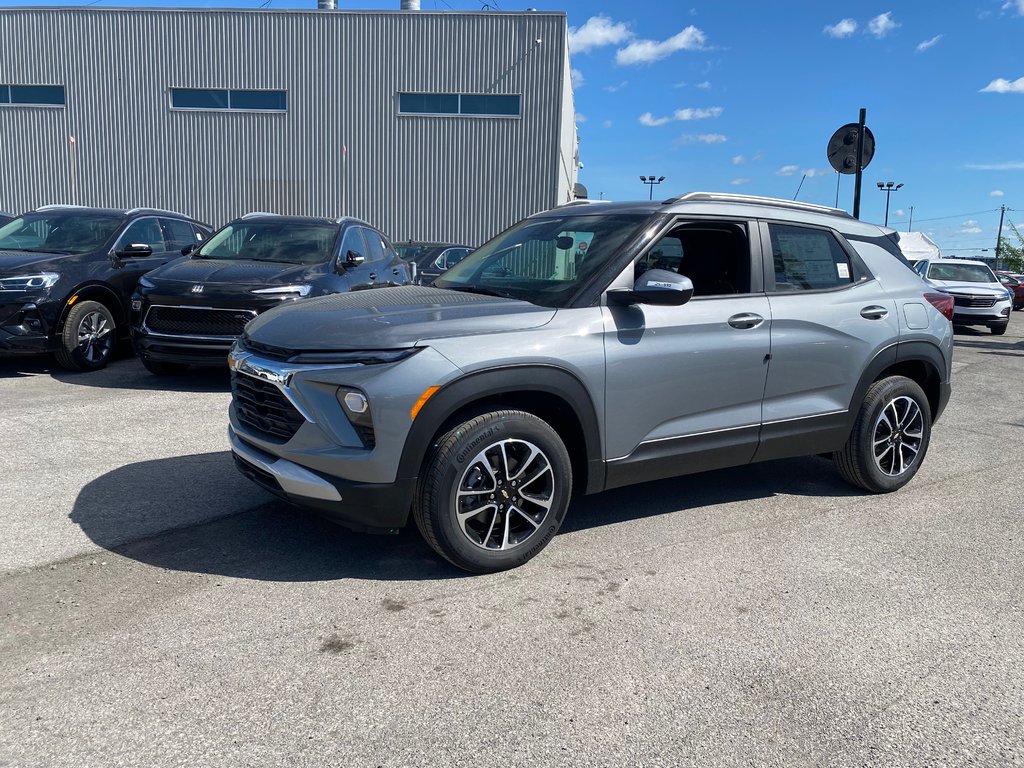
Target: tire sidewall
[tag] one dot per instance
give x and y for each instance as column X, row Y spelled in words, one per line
column 463, row 446
column 891, row 388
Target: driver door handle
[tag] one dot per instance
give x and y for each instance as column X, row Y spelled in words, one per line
column 874, row 312
column 373, row 275
column 745, row 320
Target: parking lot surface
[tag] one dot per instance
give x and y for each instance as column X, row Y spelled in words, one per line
column 158, row 609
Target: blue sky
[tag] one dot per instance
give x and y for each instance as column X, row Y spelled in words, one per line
column 742, row 96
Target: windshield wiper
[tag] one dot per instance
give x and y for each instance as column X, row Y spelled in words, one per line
column 477, row 289
column 41, row 250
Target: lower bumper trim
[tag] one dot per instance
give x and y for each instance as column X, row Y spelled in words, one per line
column 293, row 479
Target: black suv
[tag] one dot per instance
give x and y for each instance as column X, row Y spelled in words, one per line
column 432, row 259
column 67, row 274
column 190, row 311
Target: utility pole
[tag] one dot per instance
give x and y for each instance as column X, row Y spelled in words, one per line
column 860, row 162
column 910, row 226
column 999, row 237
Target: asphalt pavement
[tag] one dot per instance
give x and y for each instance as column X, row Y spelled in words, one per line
column 160, row 610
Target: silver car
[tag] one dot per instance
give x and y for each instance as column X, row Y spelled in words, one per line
column 589, row 347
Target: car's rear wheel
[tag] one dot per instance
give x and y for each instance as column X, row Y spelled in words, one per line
column 890, row 436
column 494, row 491
column 161, row 368
column 87, row 340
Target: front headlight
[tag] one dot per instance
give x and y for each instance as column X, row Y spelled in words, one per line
column 35, row 282
column 285, row 291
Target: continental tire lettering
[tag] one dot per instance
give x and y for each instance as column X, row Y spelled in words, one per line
column 462, row 455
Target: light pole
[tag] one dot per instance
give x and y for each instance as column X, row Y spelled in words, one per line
column 888, row 187
column 650, row 181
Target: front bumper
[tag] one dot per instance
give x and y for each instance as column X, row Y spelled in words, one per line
column 24, row 329
column 365, row 507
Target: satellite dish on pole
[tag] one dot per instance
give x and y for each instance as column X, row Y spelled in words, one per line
column 842, row 148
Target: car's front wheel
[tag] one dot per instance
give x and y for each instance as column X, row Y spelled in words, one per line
column 87, row 341
column 890, row 436
column 494, row 491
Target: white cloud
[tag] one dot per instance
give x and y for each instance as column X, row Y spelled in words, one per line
column 650, row 120
column 739, row 160
column 899, row 212
column 999, row 85
column 1013, row 165
column 701, row 138
column 996, row 193
column 811, row 173
column 882, row 25
column 581, row 118
column 577, row 78
column 705, row 86
column 597, row 32
column 1014, row 5
column 691, row 113
column 922, row 47
column 841, row 29
column 970, row 227
column 787, row 170
column 739, row 182
column 616, row 88
column 648, row 51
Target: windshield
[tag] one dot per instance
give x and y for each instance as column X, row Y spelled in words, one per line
column 544, row 261
column 961, row 273
column 289, row 242
column 58, row 232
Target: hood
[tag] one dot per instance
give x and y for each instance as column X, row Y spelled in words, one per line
column 16, row 262
column 233, row 272
column 386, row 318
column 976, row 289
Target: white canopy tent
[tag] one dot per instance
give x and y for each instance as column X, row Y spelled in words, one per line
column 917, row 245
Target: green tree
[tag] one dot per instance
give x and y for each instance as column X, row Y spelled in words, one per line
column 1011, row 257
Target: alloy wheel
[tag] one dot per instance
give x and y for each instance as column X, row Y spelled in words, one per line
column 897, row 436
column 94, row 337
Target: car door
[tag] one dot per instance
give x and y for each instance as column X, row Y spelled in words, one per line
column 353, row 259
column 685, row 383
column 382, row 272
column 129, row 266
column 829, row 319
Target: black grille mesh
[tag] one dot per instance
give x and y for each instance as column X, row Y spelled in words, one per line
column 974, row 301
column 191, row 321
column 263, row 408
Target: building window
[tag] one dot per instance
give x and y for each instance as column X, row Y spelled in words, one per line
column 223, row 99
column 487, row 105
column 32, row 95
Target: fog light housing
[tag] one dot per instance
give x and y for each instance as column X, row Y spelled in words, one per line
column 357, row 409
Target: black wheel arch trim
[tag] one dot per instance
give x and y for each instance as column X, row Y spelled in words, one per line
column 480, row 385
column 90, row 292
column 895, row 354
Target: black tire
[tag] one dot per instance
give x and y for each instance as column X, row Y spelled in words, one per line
column 161, row 368
column 512, row 526
column 88, row 339
column 882, row 456
column 998, row 330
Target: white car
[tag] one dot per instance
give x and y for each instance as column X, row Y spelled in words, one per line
column 978, row 296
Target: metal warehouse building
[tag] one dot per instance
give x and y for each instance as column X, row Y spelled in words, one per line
column 430, row 125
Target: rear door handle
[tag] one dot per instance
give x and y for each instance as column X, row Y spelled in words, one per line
column 874, row 312
column 373, row 275
column 745, row 320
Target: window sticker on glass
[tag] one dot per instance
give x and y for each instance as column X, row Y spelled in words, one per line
column 844, row 271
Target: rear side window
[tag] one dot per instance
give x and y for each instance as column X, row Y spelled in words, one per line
column 808, row 259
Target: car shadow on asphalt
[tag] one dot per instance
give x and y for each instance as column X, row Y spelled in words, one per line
column 198, row 514
column 123, row 372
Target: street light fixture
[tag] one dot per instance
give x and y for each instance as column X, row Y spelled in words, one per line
column 650, row 181
column 888, row 187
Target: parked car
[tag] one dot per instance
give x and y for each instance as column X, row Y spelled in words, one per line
column 5, row 218
column 979, row 297
column 432, row 259
column 190, row 311
column 67, row 274
column 705, row 332
column 1014, row 283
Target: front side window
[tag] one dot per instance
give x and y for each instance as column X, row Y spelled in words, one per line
column 143, row 232
column 177, row 233
column 961, row 273
column 546, row 260
column 716, row 257
column 288, row 242
column 807, row 259
column 55, row 232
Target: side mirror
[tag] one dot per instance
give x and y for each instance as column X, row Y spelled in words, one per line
column 136, row 249
column 412, row 271
column 354, row 259
column 655, row 286
column 188, row 250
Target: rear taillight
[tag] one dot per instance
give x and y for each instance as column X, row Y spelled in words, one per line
column 942, row 302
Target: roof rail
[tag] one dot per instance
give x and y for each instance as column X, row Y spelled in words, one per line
column 253, row 214
column 725, row 197
column 58, row 206
column 583, row 201
column 132, row 211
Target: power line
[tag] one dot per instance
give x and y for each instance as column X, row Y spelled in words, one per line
column 956, row 215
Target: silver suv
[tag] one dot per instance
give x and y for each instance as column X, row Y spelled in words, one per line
column 589, row 347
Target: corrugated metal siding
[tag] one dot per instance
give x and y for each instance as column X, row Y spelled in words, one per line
column 417, row 177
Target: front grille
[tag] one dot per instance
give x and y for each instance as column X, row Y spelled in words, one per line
column 974, row 301
column 197, row 321
column 264, row 409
